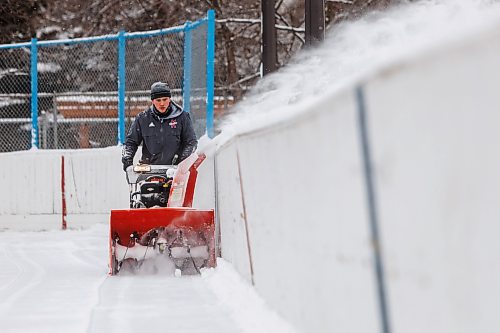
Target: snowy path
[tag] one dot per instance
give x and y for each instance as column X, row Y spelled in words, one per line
column 56, row 281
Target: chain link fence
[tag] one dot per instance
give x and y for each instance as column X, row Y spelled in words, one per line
column 163, row 59
column 15, row 114
column 84, row 93
column 76, row 89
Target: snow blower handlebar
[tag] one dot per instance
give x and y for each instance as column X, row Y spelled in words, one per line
column 134, row 172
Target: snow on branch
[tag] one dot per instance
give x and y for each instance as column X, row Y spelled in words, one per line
column 245, row 79
column 255, row 21
column 285, row 27
column 289, row 27
column 346, row 2
column 238, row 20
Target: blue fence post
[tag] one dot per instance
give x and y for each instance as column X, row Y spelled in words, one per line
column 34, row 93
column 186, row 85
column 121, row 87
column 210, row 72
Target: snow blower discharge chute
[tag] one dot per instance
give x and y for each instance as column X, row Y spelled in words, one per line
column 160, row 223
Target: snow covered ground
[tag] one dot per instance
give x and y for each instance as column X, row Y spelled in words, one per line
column 56, row 281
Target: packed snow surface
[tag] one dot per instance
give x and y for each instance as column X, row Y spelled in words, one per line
column 56, row 281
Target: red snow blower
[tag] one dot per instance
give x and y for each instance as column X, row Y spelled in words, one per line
column 160, row 224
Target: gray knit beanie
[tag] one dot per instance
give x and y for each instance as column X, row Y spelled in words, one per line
column 160, row 89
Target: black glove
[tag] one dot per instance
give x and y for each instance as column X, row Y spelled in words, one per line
column 126, row 163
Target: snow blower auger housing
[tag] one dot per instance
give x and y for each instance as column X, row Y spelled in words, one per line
column 161, row 224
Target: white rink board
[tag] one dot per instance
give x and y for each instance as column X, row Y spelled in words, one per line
column 95, row 183
column 434, row 128
column 229, row 211
column 437, row 163
column 307, row 227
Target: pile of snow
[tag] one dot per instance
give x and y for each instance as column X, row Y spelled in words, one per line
column 355, row 50
column 242, row 301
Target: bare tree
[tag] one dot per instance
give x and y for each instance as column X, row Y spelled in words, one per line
column 238, row 30
column 18, row 19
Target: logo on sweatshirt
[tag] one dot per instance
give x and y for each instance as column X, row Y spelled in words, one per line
column 173, row 123
column 151, row 124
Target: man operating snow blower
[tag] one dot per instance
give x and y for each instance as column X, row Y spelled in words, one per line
column 164, row 180
column 164, row 129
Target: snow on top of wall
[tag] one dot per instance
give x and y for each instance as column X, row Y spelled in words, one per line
column 355, row 50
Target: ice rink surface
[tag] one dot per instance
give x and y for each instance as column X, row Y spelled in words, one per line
column 57, row 281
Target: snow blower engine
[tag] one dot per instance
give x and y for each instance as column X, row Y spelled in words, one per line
column 150, row 185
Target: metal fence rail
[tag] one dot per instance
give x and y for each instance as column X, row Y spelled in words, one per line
column 84, row 92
